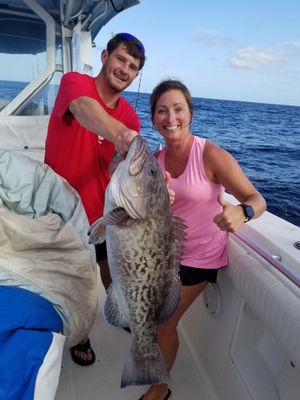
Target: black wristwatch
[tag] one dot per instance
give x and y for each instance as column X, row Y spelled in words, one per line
column 248, row 211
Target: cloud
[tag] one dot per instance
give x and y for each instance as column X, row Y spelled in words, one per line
column 209, row 37
column 293, row 44
column 253, row 58
column 292, row 48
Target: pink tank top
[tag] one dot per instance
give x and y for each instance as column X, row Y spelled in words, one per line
column 196, row 203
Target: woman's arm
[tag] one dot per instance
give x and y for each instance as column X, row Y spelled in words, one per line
column 221, row 167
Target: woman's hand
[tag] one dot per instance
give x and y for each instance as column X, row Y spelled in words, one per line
column 231, row 218
column 170, row 191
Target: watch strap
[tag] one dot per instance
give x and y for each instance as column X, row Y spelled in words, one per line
column 248, row 211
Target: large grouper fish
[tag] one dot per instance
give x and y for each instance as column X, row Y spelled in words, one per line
column 144, row 243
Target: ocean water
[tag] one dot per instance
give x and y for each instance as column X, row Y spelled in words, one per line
column 264, row 139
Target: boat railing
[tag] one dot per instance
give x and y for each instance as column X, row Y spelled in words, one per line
column 272, row 259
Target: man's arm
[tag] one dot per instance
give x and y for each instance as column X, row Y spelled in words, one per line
column 94, row 118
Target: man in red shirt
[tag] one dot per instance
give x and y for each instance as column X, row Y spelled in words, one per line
column 89, row 121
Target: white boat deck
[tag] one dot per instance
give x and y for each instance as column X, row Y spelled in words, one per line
column 101, row 381
column 241, row 343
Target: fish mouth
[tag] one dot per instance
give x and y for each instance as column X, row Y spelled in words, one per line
column 129, row 191
column 138, row 158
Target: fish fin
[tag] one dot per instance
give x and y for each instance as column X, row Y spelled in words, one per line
column 115, row 216
column 97, row 231
column 98, row 228
column 148, row 370
column 171, row 302
column 178, row 233
column 112, row 313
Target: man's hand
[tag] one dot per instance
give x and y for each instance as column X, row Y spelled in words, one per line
column 123, row 140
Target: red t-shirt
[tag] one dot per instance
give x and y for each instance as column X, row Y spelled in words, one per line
column 76, row 153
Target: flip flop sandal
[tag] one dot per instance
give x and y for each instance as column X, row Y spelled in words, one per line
column 167, row 396
column 82, row 347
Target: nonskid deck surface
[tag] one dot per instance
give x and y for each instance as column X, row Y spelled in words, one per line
column 101, row 381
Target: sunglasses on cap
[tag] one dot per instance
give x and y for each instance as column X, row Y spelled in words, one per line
column 131, row 38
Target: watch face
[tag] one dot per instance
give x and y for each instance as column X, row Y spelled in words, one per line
column 248, row 211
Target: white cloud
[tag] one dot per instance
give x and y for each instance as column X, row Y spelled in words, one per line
column 209, row 37
column 293, row 44
column 253, row 58
column 292, row 48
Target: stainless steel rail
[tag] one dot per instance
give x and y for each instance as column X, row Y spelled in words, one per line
column 277, row 264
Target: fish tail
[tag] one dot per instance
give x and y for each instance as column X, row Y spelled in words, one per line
column 145, row 370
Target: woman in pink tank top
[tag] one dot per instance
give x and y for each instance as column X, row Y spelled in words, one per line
column 200, row 171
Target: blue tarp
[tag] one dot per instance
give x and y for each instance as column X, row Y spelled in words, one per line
column 26, row 324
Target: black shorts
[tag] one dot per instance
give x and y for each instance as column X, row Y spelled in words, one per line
column 189, row 276
column 192, row 276
column 101, row 253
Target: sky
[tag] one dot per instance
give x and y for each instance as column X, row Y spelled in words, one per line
column 233, row 50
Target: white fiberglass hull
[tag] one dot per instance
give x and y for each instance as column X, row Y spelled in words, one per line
column 240, row 340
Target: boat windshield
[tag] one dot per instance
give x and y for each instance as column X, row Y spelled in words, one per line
column 22, row 59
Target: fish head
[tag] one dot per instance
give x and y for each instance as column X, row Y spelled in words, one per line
column 138, row 183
